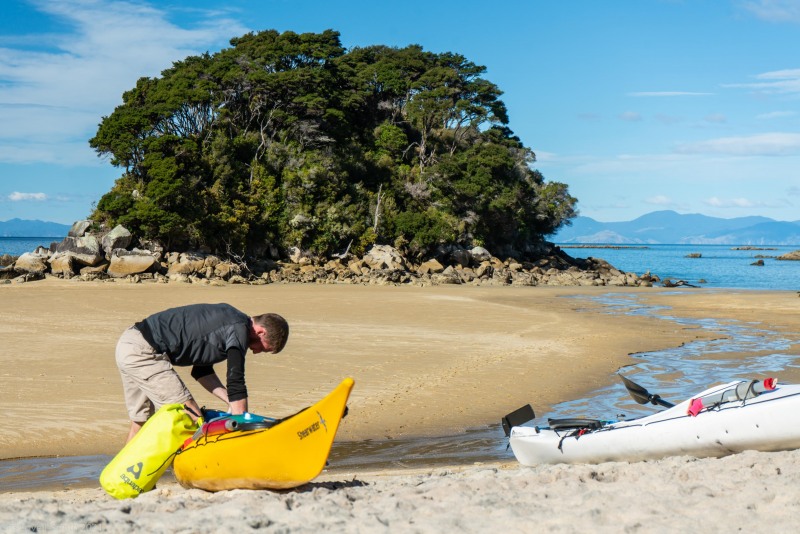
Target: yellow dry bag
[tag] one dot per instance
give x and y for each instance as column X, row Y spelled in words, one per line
column 139, row 465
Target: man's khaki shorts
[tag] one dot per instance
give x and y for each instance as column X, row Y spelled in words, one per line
column 148, row 378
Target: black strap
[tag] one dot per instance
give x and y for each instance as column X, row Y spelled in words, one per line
column 565, row 424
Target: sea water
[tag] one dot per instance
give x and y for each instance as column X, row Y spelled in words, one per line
column 714, row 266
column 17, row 246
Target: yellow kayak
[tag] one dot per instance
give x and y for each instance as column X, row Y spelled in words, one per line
column 291, row 453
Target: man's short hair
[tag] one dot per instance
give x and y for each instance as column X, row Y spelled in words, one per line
column 277, row 330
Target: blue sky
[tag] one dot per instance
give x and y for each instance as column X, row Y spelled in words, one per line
column 637, row 105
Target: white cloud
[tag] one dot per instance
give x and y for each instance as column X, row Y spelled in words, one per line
column 774, row 82
column 544, row 156
column 774, row 10
column 775, row 115
column 659, row 200
column 767, row 144
column 716, row 118
column 58, row 93
column 717, row 202
column 630, row 116
column 746, row 203
column 667, row 93
column 16, row 196
column 667, row 119
column 784, row 74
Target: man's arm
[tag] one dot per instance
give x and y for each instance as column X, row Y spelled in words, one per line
column 237, row 391
column 213, row 385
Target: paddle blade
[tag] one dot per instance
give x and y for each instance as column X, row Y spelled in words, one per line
column 639, row 394
column 642, row 396
column 517, row 417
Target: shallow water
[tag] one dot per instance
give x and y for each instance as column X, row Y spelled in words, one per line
column 476, row 445
column 674, row 373
column 679, row 372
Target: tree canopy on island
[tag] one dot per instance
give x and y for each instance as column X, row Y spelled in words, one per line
column 288, row 139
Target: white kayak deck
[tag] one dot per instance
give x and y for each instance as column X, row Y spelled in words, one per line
column 767, row 422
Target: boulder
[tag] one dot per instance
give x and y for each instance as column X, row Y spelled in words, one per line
column 188, row 263
column 180, row 278
column 480, row 254
column 79, row 228
column 7, row 272
column 86, row 250
column 299, row 256
column 94, row 270
column 484, row 269
column 384, row 257
column 31, row 263
column 357, row 267
column 461, row 257
column 130, row 264
column 226, row 270
column 794, row 255
column 118, row 237
column 448, row 276
column 211, row 261
column 430, row 267
column 6, row 260
column 62, row 263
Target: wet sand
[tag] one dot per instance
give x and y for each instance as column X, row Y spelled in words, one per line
column 431, row 361
column 426, row 361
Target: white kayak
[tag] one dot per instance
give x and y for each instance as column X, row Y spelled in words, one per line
column 722, row 420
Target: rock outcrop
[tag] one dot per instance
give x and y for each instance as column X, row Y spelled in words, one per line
column 794, row 255
column 91, row 254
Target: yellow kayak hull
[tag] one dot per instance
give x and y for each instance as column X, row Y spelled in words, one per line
column 285, row 456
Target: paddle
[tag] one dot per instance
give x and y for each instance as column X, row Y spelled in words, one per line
column 518, row 417
column 641, row 395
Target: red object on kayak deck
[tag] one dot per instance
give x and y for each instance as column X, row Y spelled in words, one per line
column 770, row 383
column 220, row 426
column 695, row 407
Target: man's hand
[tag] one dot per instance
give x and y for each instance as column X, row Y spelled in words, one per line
column 193, row 409
column 238, row 407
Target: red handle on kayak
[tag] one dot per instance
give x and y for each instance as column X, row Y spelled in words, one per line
column 695, row 407
column 220, row 426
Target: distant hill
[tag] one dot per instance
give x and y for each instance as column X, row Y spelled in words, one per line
column 28, row 228
column 669, row 227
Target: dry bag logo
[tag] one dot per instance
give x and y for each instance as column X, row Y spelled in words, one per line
column 135, row 470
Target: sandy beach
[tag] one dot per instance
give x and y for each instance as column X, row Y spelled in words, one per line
column 427, row 361
column 748, row 492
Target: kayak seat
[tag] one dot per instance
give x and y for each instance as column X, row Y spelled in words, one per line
column 565, row 424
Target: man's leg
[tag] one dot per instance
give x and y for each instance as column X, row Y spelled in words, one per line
column 148, row 380
column 135, row 427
